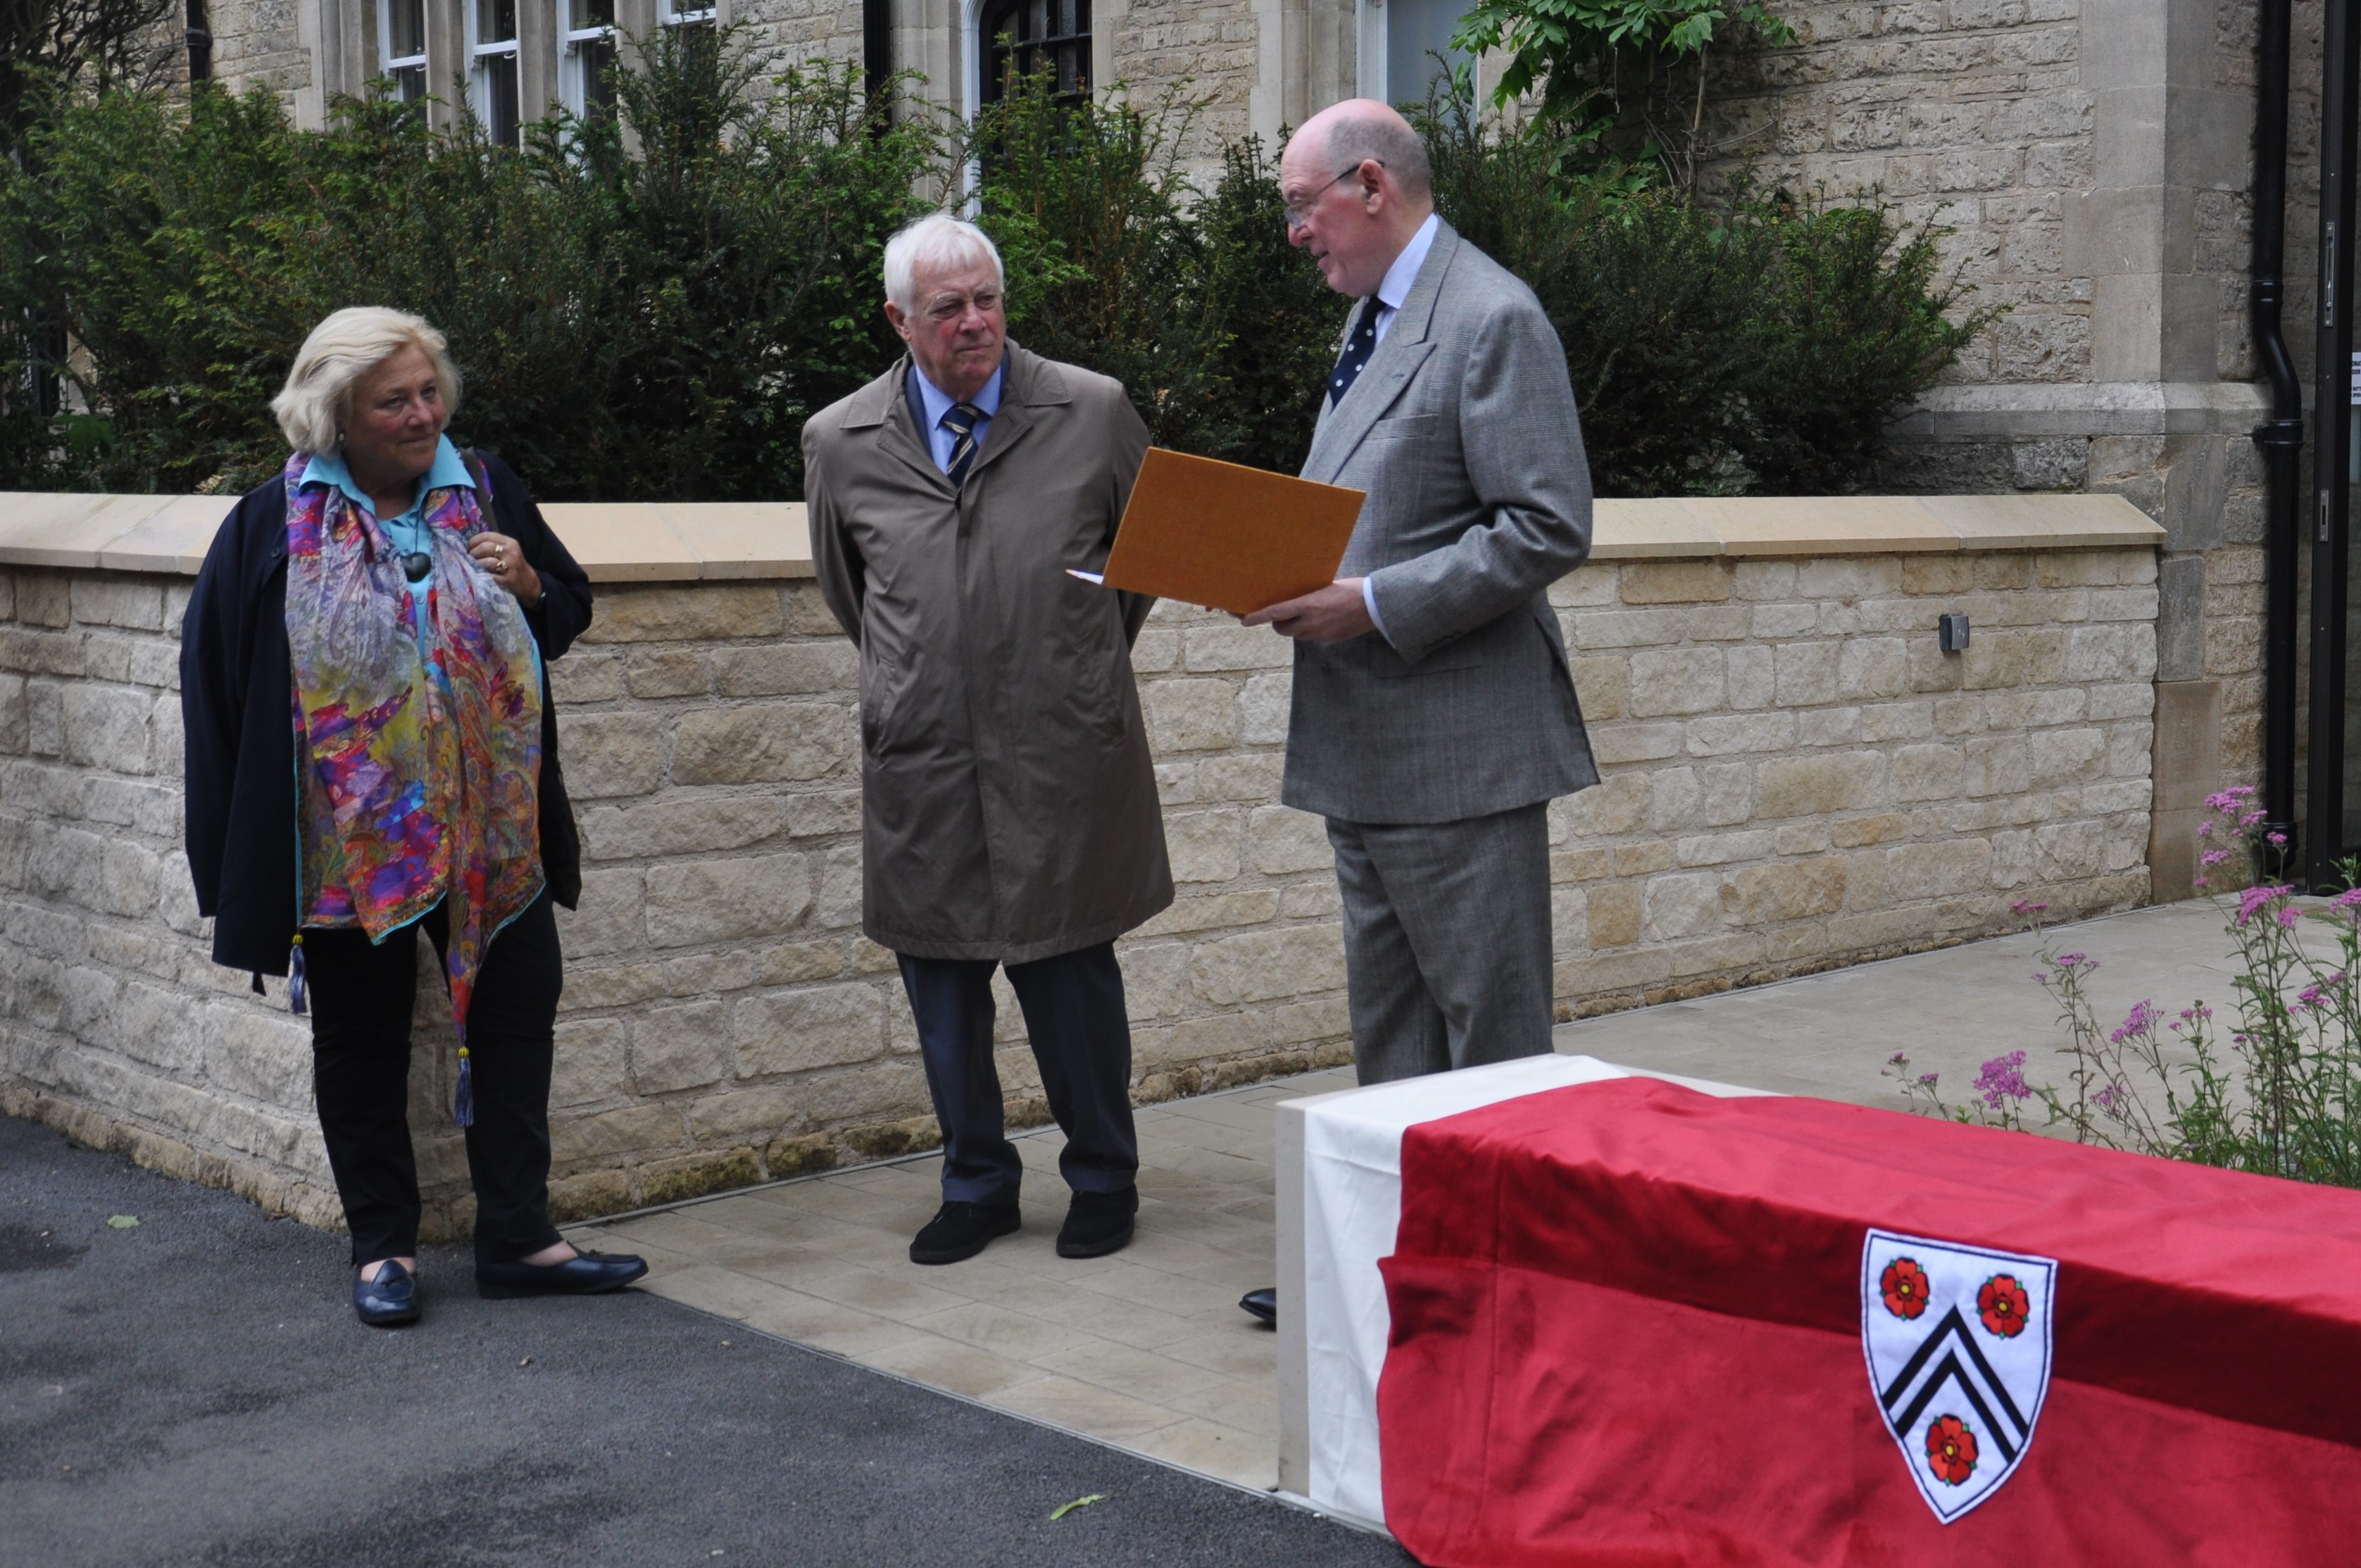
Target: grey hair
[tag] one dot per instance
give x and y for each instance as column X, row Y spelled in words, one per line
column 318, row 398
column 1382, row 134
column 936, row 241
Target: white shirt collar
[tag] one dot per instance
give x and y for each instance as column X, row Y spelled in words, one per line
column 1395, row 287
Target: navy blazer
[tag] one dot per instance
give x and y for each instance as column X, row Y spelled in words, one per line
column 239, row 726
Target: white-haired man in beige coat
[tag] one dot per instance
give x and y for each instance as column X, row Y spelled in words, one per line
column 1009, row 810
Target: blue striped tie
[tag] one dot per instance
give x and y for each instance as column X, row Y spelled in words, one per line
column 961, row 420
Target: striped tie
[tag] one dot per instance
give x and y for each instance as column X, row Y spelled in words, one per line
column 961, row 420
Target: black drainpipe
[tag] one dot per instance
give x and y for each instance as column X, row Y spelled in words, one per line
column 2332, row 445
column 2280, row 437
column 877, row 50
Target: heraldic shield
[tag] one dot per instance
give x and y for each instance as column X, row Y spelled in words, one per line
column 1958, row 1339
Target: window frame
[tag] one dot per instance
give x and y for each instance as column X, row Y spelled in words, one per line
column 408, row 72
column 576, row 81
column 988, row 56
column 481, row 56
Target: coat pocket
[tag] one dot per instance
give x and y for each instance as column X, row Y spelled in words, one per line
column 1404, row 427
column 883, row 682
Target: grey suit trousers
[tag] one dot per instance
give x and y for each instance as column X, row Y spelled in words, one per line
column 1446, row 940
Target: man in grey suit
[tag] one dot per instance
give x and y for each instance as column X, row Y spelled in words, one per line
column 1434, row 718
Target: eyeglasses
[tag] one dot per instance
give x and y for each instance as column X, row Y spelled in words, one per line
column 1299, row 212
column 951, row 307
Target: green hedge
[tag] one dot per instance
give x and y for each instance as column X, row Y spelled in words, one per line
column 649, row 306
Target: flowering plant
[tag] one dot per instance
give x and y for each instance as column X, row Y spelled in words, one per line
column 2292, row 1104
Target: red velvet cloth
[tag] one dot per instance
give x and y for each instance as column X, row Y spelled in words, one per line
column 1627, row 1329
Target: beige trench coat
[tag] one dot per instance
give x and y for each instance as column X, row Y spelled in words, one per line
column 1008, row 805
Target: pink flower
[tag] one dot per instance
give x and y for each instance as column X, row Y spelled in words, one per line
column 2252, row 817
column 2288, row 916
column 2027, row 906
column 2111, row 1099
column 2002, row 1079
column 2205, row 828
column 2349, row 898
column 2212, row 857
column 2277, row 841
column 2251, row 901
column 2138, row 1021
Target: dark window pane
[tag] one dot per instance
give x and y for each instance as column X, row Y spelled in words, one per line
column 409, row 83
column 495, row 21
column 598, row 87
column 405, row 28
column 500, row 121
column 1021, row 37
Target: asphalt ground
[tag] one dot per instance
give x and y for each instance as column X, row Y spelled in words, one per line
column 194, row 1391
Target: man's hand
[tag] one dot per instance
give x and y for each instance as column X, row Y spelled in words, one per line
column 1325, row 615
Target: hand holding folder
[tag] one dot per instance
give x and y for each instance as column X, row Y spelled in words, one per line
column 1228, row 537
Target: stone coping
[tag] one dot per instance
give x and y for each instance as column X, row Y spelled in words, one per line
column 685, row 542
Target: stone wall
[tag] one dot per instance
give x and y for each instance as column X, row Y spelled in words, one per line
column 1795, row 777
column 2091, row 161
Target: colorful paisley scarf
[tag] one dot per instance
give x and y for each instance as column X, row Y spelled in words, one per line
column 418, row 768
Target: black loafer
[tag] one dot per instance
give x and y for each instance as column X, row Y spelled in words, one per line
column 959, row 1231
column 584, row 1274
column 388, row 1302
column 1262, row 1304
column 1098, row 1224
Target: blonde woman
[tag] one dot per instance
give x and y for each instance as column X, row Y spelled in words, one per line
column 371, row 751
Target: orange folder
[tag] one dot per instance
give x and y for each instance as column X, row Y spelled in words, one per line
column 1228, row 537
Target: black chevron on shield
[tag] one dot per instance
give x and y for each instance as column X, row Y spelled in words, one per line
column 1953, row 1331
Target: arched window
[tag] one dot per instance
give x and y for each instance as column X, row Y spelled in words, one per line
column 1021, row 37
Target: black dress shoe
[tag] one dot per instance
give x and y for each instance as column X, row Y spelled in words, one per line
column 1098, row 1224
column 584, row 1274
column 959, row 1231
column 388, row 1302
column 1262, row 1304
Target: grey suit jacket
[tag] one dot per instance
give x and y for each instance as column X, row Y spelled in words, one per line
column 1462, row 429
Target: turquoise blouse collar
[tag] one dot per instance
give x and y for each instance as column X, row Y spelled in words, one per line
column 449, row 469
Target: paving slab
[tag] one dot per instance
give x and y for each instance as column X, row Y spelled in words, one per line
column 1948, row 1011
column 1147, row 1351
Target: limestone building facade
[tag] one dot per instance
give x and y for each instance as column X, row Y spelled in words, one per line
column 2090, row 159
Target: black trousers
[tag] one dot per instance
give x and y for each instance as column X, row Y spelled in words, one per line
column 361, row 995
column 1081, row 1038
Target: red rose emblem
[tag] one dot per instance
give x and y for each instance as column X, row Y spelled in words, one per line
column 1904, row 1286
column 2003, row 1304
column 1951, row 1450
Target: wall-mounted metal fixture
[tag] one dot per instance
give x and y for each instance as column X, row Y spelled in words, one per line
column 1952, row 633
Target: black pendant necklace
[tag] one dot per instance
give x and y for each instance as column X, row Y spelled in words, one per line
column 416, row 565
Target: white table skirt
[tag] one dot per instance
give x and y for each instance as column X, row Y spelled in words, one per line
column 1350, row 1192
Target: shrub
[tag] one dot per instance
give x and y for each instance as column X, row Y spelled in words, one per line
column 1216, row 326
column 650, row 305
column 632, row 323
column 1756, row 345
